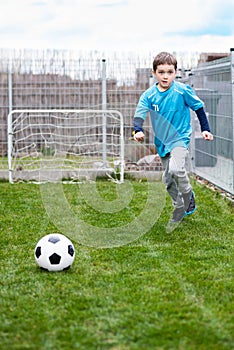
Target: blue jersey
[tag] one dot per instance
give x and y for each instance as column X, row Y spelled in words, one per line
column 170, row 115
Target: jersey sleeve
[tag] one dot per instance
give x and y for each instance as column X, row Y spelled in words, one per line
column 141, row 112
column 197, row 105
column 191, row 99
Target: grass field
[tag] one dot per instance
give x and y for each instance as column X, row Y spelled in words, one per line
column 164, row 291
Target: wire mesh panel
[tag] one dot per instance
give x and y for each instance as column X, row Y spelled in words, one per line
column 50, row 145
column 214, row 160
column 65, row 80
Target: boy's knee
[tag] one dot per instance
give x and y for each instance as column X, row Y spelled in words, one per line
column 176, row 171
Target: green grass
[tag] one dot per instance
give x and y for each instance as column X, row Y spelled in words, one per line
column 164, row 291
column 53, row 161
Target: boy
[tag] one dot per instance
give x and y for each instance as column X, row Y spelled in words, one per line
column 168, row 102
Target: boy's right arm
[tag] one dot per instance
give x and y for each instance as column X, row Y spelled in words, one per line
column 139, row 136
column 138, row 129
column 139, row 118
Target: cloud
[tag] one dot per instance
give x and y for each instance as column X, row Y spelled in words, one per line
column 117, row 24
column 215, row 21
column 111, row 3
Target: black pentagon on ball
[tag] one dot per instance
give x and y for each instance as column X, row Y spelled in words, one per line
column 38, row 252
column 71, row 250
column 55, row 259
column 54, row 239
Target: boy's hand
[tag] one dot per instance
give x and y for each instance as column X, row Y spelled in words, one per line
column 139, row 136
column 207, row 135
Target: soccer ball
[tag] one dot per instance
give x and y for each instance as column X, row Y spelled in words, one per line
column 54, row 252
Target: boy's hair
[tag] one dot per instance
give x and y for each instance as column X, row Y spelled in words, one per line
column 164, row 58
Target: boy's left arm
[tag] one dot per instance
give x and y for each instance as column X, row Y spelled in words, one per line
column 205, row 128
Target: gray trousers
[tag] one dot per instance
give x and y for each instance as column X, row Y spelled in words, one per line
column 175, row 175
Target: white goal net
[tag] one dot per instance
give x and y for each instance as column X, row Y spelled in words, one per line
column 71, row 145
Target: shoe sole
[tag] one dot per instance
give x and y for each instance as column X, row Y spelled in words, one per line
column 177, row 221
column 190, row 212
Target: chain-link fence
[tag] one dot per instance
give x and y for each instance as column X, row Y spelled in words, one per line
column 71, row 80
column 213, row 82
column 65, row 79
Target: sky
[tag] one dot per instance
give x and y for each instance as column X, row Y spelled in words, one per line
column 118, row 25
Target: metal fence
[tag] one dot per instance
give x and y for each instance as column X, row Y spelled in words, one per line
column 66, row 80
column 213, row 82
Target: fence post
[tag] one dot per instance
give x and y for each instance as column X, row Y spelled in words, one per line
column 9, row 121
column 10, row 99
column 9, row 145
column 232, row 80
column 104, row 126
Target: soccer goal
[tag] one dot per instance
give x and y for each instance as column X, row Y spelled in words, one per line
column 68, row 145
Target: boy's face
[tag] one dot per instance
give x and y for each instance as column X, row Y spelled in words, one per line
column 165, row 74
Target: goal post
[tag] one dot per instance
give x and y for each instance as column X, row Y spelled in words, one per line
column 65, row 144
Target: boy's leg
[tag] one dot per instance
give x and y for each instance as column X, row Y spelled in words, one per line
column 177, row 169
column 173, row 191
column 179, row 173
column 170, row 182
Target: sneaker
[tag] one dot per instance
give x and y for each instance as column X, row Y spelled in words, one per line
column 192, row 205
column 178, row 215
column 187, row 198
